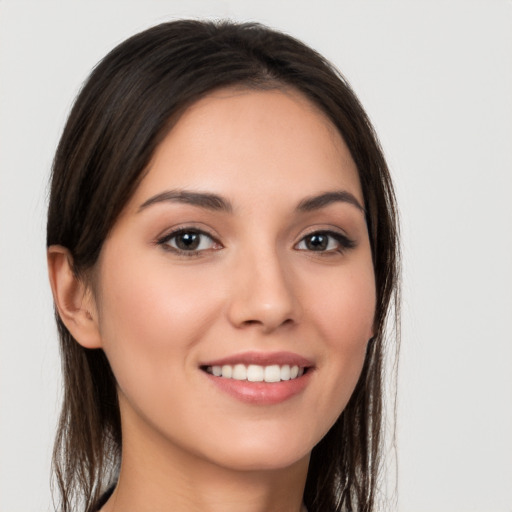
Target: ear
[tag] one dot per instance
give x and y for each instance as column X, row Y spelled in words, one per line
column 73, row 298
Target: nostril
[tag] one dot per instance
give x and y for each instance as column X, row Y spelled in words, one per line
column 252, row 322
column 268, row 324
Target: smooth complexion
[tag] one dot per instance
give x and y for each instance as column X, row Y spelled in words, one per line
column 245, row 245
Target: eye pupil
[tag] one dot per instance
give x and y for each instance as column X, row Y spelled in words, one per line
column 188, row 241
column 317, row 242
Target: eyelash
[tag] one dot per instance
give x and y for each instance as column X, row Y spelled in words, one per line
column 343, row 242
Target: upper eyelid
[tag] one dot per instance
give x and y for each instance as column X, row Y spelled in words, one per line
column 327, row 232
column 323, row 228
column 176, row 230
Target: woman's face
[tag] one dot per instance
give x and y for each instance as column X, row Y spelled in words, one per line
column 235, row 294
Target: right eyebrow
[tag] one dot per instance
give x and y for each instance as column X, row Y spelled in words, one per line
column 322, row 200
column 202, row 199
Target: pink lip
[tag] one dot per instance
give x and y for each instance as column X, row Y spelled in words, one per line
column 261, row 393
column 262, row 359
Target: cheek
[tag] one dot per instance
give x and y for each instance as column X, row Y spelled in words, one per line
column 345, row 315
column 151, row 318
column 346, row 308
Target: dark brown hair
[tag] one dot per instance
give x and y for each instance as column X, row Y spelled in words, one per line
column 123, row 111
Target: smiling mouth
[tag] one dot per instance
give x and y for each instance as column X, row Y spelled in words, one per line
column 257, row 373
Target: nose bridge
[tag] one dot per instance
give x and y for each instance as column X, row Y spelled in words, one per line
column 264, row 291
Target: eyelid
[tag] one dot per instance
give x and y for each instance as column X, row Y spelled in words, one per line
column 329, row 229
column 198, row 227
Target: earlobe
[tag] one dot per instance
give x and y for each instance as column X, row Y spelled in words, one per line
column 73, row 298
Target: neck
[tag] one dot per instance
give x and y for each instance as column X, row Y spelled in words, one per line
column 157, row 476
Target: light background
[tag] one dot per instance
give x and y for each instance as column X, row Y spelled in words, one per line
column 436, row 79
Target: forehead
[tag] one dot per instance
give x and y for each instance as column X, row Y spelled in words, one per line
column 240, row 142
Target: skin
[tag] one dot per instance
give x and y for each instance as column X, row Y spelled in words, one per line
column 254, row 285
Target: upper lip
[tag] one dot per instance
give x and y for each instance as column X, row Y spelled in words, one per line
column 262, row 359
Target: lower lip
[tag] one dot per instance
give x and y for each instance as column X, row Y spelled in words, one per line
column 261, row 393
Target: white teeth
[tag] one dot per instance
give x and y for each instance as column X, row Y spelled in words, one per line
column 239, row 372
column 272, row 373
column 285, row 372
column 257, row 373
column 227, row 371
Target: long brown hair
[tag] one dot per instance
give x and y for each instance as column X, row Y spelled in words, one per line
column 126, row 107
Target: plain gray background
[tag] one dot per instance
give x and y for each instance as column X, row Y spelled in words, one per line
column 436, row 79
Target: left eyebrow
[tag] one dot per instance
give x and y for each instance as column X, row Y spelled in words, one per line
column 322, row 200
column 200, row 199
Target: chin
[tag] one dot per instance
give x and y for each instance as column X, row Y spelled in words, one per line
column 263, row 460
column 262, row 451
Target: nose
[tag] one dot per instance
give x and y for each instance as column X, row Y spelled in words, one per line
column 264, row 293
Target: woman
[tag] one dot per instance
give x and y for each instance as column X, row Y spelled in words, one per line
column 222, row 250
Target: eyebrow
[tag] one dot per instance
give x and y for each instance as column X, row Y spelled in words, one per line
column 201, row 199
column 322, row 200
column 215, row 202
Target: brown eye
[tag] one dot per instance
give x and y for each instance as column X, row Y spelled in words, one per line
column 188, row 241
column 316, row 242
column 325, row 241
